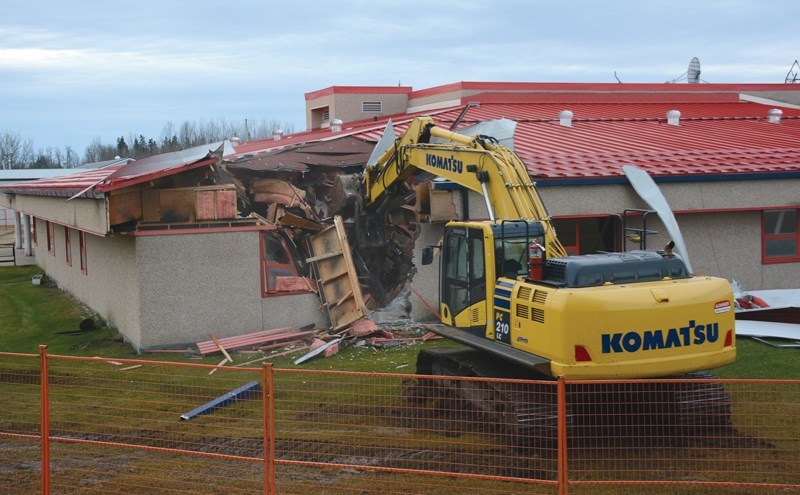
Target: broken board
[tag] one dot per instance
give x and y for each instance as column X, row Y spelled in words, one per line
column 339, row 289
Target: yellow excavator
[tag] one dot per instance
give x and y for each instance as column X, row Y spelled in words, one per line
column 510, row 293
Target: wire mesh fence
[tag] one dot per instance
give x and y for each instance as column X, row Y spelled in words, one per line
column 131, row 426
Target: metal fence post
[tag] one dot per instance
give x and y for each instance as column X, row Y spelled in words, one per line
column 268, row 406
column 563, row 480
column 45, row 419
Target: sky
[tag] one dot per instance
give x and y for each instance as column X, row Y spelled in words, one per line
column 71, row 72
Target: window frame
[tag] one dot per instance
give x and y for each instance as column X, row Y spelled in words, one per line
column 773, row 260
column 267, row 266
column 83, row 254
column 575, row 227
column 50, row 227
column 67, row 245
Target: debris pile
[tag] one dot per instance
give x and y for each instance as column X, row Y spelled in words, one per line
column 294, row 190
column 276, row 342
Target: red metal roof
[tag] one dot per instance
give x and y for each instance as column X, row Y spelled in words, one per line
column 717, row 136
column 95, row 182
column 712, row 138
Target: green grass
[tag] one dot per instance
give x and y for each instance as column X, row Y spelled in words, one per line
column 333, row 409
column 33, row 315
column 755, row 360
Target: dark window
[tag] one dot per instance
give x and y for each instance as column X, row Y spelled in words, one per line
column 68, row 246
column 587, row 235
column 780, row 236
column 51, row 238
column 82, row 247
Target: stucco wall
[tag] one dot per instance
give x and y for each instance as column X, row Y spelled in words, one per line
column 89, row 214
column 110, row 284
column 194, row 284
column 723, row 244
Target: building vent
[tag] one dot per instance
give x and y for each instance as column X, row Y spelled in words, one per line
column 674, row 117
column 336, row 125
column 775, row 116
column 371, row 106
column 565, row 118
column 235, row 141
column 326, row 115
column 277, row 134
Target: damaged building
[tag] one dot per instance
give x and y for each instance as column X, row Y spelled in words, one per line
column 232, row 239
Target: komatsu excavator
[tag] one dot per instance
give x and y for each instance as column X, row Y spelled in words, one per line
column 509, row 290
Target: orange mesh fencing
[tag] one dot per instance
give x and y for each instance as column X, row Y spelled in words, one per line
column 132, row 426
column 694, row 436
column 383, row 433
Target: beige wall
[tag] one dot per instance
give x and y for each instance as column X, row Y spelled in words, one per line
column 347, row 107
column 110, row 284
column 199, row 283
column 723, row 244
column 89, row 214
column 173, row 289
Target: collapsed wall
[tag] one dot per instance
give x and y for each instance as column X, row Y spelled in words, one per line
column 294, row 190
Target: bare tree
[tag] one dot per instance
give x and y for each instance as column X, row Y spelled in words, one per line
column 16, row 153
column 10, row 145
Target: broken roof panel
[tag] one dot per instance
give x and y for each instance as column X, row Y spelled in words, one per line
column 95, row 182
column 347, row 151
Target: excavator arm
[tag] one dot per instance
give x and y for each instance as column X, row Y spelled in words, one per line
column 477, row 163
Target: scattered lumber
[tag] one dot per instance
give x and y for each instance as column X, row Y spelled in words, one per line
column 130, row 367
column 221, row 348
column 271, row 356
column 221, row 363
column 252, row 339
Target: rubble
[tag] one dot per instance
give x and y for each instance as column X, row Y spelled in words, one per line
column 295, row 191
column 313, row 245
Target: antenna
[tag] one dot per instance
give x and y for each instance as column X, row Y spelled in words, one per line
column 693, row 72
column 791, row 76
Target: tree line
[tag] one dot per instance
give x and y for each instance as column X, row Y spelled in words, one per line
column 18, row 153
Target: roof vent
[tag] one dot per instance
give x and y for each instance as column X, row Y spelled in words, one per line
column 775, row 116
column 277, row 134
column 565, row 118
column 336, row 125
column 674, row 117
column 235, row 141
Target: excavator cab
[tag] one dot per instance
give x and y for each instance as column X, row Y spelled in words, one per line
column 473, row 256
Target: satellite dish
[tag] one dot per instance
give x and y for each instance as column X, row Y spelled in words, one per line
column 693, row 72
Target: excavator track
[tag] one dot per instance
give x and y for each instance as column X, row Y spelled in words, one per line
column 522, row 412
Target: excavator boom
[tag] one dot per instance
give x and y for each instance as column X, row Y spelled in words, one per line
column 475, row 163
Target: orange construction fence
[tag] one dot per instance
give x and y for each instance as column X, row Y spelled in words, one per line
column 102, row 426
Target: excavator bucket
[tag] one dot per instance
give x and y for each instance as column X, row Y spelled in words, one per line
column 344, row 194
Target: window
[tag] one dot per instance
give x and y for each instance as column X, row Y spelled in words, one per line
column 276, row 262
column 82, row 247
column 51, row 237
column 780, row 236
column 68, row 246
column 33, row 231
column 371, row 106
column 586, row 235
